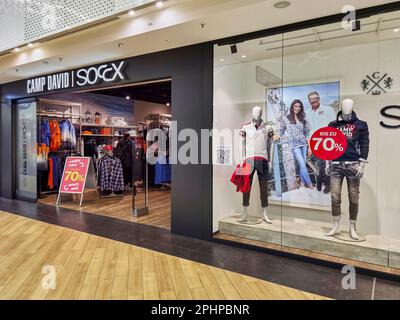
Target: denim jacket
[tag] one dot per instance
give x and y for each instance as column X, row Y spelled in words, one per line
column 298, row 133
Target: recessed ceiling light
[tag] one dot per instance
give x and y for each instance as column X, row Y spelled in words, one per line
column 159, row 4
column 222, row 60
column 131, row 12
column 396, row 30
column 168, row 104
column 282, row 4
column 128, row 98
column 17, row 49
column 244, row 56
column 30, row 45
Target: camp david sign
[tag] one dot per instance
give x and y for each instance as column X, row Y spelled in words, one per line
column 108, row 73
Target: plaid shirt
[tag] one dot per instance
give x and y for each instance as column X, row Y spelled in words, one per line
column 111, row 174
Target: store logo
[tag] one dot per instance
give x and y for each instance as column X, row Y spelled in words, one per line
column 376, row 84
column 94, row 75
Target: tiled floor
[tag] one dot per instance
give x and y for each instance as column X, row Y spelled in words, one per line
column 92, row 267
column 300, row 275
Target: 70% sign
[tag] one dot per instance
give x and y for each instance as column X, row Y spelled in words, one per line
column 73, row 176
column 328, row 143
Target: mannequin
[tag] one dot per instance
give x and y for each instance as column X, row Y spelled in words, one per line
column 255, row 138
column 350, row 166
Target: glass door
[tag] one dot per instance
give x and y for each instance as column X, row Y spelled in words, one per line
column 26, row 150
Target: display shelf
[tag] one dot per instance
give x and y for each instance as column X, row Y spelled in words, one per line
column 108, row 126
column 102, row 135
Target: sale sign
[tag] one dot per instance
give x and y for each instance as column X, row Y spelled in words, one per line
column 328, row 143
column 74, row 176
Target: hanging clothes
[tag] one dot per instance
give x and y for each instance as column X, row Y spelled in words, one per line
column 55, row 136
column 162, row 171
column 50, row 181
column 124, row 152
column 110, row 173
column 68, row 136
column 42, row 157
column 56, row 167
column 45, row 132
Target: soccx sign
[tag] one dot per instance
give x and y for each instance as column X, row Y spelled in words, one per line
column 109, row 72
column 105, row 72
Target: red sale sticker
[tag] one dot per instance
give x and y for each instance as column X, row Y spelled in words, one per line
column 328, row 143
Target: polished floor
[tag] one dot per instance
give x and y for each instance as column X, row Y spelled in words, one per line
column 303, row 275
column 92, row 267
column 121, row 207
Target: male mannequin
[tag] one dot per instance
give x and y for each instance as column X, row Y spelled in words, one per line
column 255, row 138
column 350, row 166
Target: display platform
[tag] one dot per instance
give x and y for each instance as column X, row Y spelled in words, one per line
column 310, row 236
column 306, row 198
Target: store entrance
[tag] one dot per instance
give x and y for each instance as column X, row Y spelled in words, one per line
column 115, row 128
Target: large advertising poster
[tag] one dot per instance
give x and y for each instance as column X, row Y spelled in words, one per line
column 298, row 177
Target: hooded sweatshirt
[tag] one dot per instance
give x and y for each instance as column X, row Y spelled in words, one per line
column 357, row 134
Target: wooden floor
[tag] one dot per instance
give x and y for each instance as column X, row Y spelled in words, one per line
column 310, row 254
column 91, row 267
column 121, row 207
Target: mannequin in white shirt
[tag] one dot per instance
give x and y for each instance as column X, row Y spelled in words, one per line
column 257, row 122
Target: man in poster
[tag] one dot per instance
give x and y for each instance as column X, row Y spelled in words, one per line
column 319, row 116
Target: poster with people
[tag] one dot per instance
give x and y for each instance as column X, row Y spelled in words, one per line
column 297, row 112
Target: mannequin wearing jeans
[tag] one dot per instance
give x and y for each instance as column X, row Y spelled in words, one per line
column 350, row 166
column 255, row 138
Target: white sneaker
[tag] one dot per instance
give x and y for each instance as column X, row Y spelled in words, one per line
column 336, row 227
column 353, row 230
column 265, row 217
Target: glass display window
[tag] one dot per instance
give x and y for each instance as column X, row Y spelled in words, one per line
column 311, row 165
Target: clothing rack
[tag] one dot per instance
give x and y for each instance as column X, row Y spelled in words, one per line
column 157, row 121
column 63, row 110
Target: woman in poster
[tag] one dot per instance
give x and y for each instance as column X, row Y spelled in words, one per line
column 297, row 129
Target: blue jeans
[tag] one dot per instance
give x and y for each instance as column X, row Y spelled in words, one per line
column 300, row 154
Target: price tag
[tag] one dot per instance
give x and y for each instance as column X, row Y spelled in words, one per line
column 328, row 143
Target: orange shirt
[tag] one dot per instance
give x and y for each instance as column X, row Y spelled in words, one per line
column 55, row 136
column 50, row 179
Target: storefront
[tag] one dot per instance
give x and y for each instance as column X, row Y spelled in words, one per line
column 264, row 98
column 87, row 98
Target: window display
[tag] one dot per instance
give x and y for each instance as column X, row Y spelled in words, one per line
column 319, row 140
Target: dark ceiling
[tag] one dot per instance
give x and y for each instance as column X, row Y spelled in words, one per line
column 158, row 92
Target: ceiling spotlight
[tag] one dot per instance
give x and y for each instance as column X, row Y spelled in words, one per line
column 396, row 30
column 17, row 49
column 131, row 12
column 168, row 104
column 128, row 98
column 282, row 4
column 159, row 4
column 244, row 56
column 234, row 49
column 222, row 59
column 30, row 45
